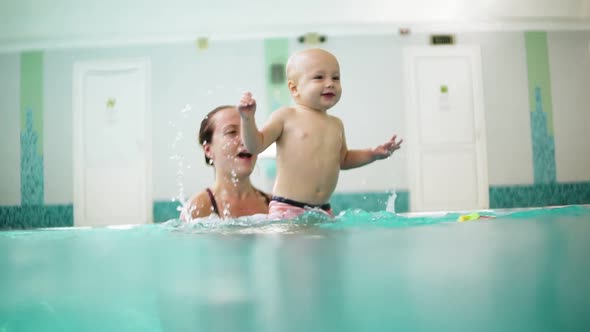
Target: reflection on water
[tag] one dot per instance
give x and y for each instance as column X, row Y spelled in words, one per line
column 361, row 272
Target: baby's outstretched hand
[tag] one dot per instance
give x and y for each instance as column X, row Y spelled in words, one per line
column 385, row 150
column 247, row 105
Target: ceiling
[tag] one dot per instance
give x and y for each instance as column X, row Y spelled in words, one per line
column 34, row 24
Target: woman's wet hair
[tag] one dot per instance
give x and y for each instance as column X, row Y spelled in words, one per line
column 208, row 127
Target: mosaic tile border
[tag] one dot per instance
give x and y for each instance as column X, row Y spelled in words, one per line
column 538, row 195
column 165, row 210
column 501, row 197
column 36, row 216
column 370, row 201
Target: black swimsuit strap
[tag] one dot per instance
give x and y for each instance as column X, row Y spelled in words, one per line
column 266, row 199
column 213, row 201
column 325, row 207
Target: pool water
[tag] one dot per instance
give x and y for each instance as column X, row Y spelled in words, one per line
column 519, row 271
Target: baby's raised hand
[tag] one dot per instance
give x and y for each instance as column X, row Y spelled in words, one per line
column 385, row 150
column 247, row 105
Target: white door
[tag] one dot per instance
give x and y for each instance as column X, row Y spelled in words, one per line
column 446, row 128
column 112, row 145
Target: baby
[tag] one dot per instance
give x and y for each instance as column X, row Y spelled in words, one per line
column 311, row 145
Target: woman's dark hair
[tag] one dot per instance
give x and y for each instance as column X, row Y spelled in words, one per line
column 208, row 127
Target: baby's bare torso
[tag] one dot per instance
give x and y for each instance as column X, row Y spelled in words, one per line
column 308, row 156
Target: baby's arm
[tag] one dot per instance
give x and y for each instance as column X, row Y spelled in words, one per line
column 256, row 140
column 357, row 158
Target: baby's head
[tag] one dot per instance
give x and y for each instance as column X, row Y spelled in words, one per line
column 314, row 78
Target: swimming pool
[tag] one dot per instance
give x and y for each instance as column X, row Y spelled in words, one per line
column 522, row 271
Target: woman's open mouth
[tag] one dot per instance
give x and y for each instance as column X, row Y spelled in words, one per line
column 244, row 155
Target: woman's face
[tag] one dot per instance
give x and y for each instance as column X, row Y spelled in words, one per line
column 226, row 150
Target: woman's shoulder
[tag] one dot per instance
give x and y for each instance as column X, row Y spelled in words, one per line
column 200, row 205
column 202, row 196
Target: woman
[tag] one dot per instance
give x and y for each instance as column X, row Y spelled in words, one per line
column 232, row 194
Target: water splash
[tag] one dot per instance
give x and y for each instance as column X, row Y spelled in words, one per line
column 184, row 208
column 258, row 223
column 390, row 206
column 187, row 108
column 309, row 222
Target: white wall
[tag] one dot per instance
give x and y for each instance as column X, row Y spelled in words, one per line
column 10, row 130
column 181, row 75
column 57, row 126
column 569, row 65
column 507, row 110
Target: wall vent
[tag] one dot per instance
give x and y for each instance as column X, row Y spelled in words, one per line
column 442, row 39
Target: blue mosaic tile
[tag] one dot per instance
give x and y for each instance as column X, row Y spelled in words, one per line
column 165, row 210
column 370, row 202
column 31, row 165
column 543, row 144
column 36, row 216
column 538, row 195
column 402, row 203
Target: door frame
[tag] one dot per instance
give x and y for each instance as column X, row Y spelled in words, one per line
column 80, row 70
column 410, row 53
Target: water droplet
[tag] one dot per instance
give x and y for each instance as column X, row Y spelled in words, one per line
column 226, row 213
column 234, row 178
column 187, row 108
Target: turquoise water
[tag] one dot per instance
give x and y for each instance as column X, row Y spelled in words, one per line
column 521, row 271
